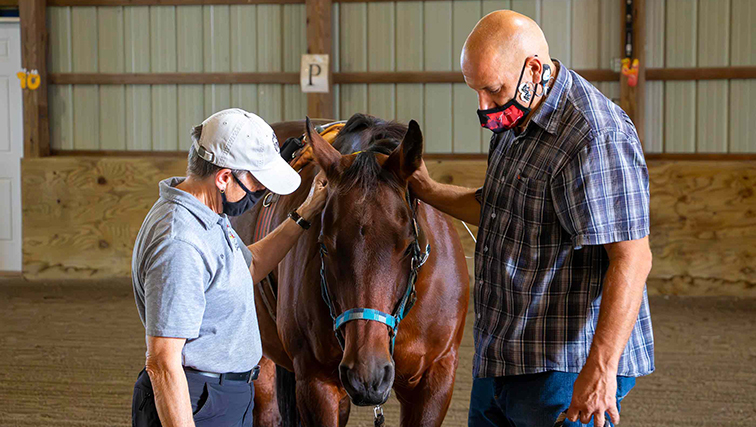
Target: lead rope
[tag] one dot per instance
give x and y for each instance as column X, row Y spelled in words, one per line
column 379, row 419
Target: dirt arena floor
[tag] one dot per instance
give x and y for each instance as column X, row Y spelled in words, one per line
column 70, row 352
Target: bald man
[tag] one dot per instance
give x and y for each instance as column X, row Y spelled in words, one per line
column 562, row 324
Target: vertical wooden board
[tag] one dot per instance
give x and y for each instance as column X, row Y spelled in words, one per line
column 269, row 41
column 713, row 33
column 270, row 102
column 84, row 39
column 244, row 41
column 655, row 35
column 59, row 26
column 138, row 117
column 466, row 127
column 488, row 6
column 556, row 22
column 337, row 103
column 244, row 96
column 217, row 98
column 138, row 97
column 335, row 57
column 438, row 118
column 530, row 8
column 610, row 21
column 295, row 103
column 353, row 99
column 466, row 15
column 189, row 43
column 410, row 103
column 654, row 139
column 163, row 58
column 110, row 52
column 712, row 123
column 137, row 39
column 680, row 114
column 585, row 34
column 742, row 123
column 382, row 98
column 191, row 112
column 743, row 35
column 681, row 33
column 86, row 117
column 295, row 37
column 743, row 92
column 438, row 39
column 112, row 117
column 60, row 99
column 165, row 118
column 409, row 30
column 381, row 43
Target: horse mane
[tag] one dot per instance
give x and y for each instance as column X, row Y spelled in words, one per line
column 369, row 135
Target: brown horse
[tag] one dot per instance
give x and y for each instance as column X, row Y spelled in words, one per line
column 362, row 250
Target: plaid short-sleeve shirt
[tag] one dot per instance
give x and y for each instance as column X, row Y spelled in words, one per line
column 573, row 180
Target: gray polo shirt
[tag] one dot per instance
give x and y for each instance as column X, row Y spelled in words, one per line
column 191, row 280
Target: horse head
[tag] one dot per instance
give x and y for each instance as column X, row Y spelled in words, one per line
column 368, row 244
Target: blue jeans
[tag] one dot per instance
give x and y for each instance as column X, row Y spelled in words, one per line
column 528, row 400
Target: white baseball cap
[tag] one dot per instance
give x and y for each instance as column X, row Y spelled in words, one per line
column 237, row 139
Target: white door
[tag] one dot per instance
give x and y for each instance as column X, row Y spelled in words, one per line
column 11, row 145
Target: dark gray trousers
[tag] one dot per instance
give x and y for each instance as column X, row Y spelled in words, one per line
column 228, row 404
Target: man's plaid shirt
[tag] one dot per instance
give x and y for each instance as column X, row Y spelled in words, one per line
column 573, row 180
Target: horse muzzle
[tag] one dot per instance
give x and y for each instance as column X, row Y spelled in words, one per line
column 368, row 385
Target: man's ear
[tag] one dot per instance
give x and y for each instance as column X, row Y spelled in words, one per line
column 327, row 157
column 408, row 156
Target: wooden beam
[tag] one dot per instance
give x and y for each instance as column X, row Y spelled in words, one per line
column 632, row 99
column 709, row 73
column 164, row 2
column 8, row 2
column 172, row 78
column 34, row 57
column 319, row 42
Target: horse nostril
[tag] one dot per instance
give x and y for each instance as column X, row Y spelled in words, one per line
column 385, row 377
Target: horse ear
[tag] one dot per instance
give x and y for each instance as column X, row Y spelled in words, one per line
column 327, row 157
column 408, row 156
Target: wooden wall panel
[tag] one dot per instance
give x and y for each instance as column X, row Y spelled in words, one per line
column 81, row 216
column 353, row 56
column 111, row 56
column 269, row 58
column 294, row 45
column 163, row 46
column 556, row 22
column 584, row 34
column 381, row 45
column 438, row 96
column 409, row 57
column 610, row 20
column 465, row 124
column 217, row 55
column 244, row 54
column 743, row 92
column 713, row 51
column 86, row 98
column 191, row 54
column 531, row 8
column 653, row 141
column 488, row 6
column 680, row 96
column 138, row 97
column 60, row 97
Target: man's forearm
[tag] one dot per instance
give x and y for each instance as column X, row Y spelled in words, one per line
column 622, row 296
column 171, row 396
column 459, row 202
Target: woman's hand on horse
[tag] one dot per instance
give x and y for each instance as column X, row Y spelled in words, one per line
column 316, row 199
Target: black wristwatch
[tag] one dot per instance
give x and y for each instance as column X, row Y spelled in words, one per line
column 299, row 220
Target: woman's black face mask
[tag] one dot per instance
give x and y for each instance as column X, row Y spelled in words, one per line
column 246, row 203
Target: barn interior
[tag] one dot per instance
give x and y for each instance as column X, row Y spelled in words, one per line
column 97, row 98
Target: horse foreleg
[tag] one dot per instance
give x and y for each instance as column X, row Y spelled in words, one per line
column 266, row 405
column 319, row 402
column 426, row 404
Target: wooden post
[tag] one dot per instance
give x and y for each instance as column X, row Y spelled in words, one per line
column 34, row 57
column 632, row 99
column 320, row 105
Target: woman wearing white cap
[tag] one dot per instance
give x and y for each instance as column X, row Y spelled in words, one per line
column 193, row 277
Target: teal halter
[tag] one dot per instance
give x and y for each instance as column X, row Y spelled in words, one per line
column 402, row 308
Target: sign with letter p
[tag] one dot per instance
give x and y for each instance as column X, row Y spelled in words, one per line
column 314, row 73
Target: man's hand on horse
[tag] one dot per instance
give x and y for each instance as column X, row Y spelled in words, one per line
column 593, row 395
column 420, row 181
column 316, row 199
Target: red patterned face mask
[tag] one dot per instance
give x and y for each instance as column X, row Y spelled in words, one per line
column 507, row 116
